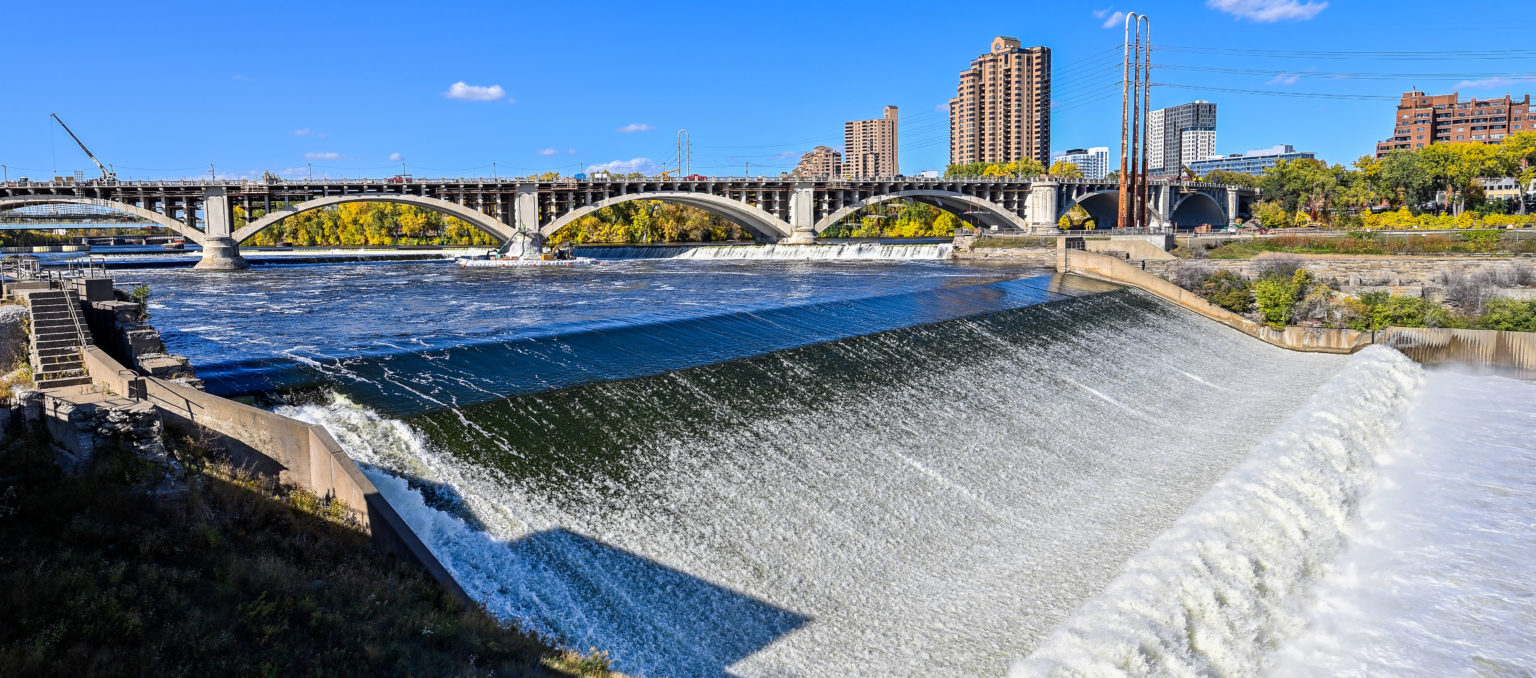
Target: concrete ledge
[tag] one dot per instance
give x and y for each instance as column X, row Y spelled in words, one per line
column 272, row 444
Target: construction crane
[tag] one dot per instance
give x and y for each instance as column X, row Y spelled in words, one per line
column 109, row 176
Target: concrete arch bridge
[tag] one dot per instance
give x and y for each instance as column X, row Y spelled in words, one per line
column 783, row 209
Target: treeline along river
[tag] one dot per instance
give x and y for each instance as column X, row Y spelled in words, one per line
column 824, row 468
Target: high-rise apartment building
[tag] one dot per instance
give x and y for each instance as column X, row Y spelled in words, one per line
column 1424, row 119
column 820, row 162
column 1092, row 162
column 1002, row 108
column 869, row 146
column 1179, row 135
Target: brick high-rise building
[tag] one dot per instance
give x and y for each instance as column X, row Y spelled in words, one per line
column 1179, row 135
column 1002, row 108
column 869, row 146
column 1423, row 119
column 820, row 162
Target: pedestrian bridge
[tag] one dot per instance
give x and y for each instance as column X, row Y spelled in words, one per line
column 784, row 209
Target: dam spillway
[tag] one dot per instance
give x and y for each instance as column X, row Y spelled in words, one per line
column 942, row 494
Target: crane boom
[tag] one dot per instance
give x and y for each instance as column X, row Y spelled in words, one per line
column 104, row 173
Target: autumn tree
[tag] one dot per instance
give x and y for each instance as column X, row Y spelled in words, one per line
column 1062, row 169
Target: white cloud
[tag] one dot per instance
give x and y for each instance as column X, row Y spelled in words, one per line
column 1493, row 83
column 942, row 108
column 1101, row 13
column 570, row 151
column 1283, row 79
column 321, row 156
column 1115, row 20
column 641, row 165
column 636, row 127
column 1268, row 11
column 548, row 152
column 302, row 132
column 396, row 157
column 466, row 92
column 788, row 154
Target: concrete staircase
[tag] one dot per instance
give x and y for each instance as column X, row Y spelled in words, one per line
column 58, row 334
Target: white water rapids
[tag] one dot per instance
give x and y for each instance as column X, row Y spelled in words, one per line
column 1166, row 495
column 831, row 252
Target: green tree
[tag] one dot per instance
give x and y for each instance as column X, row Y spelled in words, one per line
column 1232, row 178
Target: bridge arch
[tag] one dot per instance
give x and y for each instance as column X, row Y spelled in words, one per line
column 473, row 217
column 177, row 227
column 993, row 214
column 1102, row 206
column 1198, row 208
column 756, row 220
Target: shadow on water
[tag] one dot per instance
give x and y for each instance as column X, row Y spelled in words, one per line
column 683, row 622
column 695, row 627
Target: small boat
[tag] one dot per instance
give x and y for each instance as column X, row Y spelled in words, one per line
column 177, row 244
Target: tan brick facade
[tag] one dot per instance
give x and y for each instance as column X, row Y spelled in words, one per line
column 869, row 147
column 1002, row 108
column 821, row 162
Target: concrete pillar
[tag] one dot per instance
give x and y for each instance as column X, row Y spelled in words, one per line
column 1231, row 207
column 526, row 241
column 1040, row 211
column 1164, row 212
column 220, row 251
column 802, row 214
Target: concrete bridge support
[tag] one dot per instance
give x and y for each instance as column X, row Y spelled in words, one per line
column 802, row 215
column 1232, row 208
column 526, row 240
column 1041, row 207
column 221, row 252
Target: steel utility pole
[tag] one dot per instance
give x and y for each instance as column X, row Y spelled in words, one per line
column 1123, row 213
column 1142, row 204
column 684, row 152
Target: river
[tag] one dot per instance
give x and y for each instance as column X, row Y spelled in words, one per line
column 748, row 463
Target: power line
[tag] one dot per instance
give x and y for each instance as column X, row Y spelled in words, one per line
column 1303, row 95
column 1344, row 74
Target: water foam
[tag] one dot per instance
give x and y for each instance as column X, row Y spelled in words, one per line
column 906, row 503
column 859, row 251
column 1436, row 579
column 1218, row 591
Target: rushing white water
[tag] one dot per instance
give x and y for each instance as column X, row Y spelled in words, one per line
column 1437, row 577
column 1218, row 591
column 862, row 251
column 935, row 524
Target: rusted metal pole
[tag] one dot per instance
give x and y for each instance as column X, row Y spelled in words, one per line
column 1132, row 209
column 1122, row 206
column 1142, row 203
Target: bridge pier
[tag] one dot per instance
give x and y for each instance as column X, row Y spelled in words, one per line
column 220, row 251
column 1232, row 209
column 1040, row 208
column 802, row 215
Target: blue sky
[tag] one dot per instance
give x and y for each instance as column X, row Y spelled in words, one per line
column 354, row 89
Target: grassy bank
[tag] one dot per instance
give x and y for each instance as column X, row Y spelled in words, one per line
column 235, row 577
column 1475, row 242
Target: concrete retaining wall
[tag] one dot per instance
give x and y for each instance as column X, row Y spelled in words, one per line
column 1118, row 270
column 272, row 444
column 1511, row 353
column 1506, row 352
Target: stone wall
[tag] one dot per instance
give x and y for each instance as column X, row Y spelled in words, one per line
column 1413, row 276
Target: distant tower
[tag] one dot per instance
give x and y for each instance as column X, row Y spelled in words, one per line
column 869, row 147
column 1179, row 135
column 1002, row 108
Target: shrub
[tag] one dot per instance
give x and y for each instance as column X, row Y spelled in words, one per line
column 1192, row 276
column 1278, row 267
column 1377, row 310
column 1467, row 292
column 1275, row 296
column 1510, row 315
column 1228, row 290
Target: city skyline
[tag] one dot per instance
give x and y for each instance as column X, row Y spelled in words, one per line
column 325, row 94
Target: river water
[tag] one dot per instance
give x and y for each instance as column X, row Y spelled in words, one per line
column 760, row 463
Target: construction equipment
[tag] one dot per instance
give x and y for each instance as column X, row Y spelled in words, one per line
column 106, row 175
column 1189, row 172
column 673, row 171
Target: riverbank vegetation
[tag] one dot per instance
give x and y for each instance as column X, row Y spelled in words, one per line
column 1368, row 243
column 230, row 577
column 649, row 221
column 896, row 219
column 1285, row 293
column 366, row 224
column 1437, row 186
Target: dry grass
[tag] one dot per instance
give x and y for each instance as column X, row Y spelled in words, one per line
column 97, row 578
